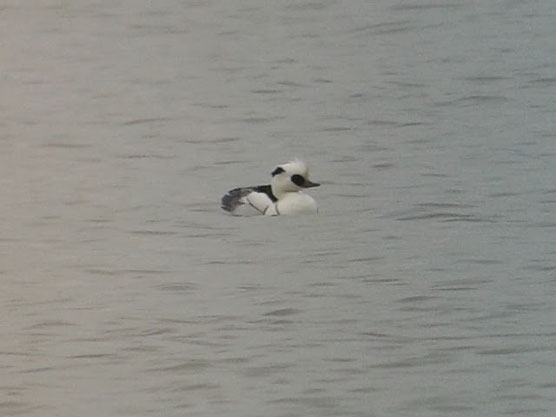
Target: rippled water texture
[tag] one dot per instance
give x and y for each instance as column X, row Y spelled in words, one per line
column 424, row 287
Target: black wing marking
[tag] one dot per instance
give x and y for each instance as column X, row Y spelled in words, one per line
column 233, row 198
column 267, row 189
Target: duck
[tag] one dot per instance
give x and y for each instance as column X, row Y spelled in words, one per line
column 283, row 196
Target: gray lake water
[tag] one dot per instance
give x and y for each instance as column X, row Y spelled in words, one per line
column 425, row 286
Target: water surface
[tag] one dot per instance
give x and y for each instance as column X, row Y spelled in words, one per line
column 425, row 285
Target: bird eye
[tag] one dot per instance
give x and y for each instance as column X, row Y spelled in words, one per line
column 298, row 180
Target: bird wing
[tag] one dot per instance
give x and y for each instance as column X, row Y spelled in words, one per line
column 240, row 200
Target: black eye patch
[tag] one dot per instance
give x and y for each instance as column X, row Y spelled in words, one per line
column 298, row 180
column 277, row 171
